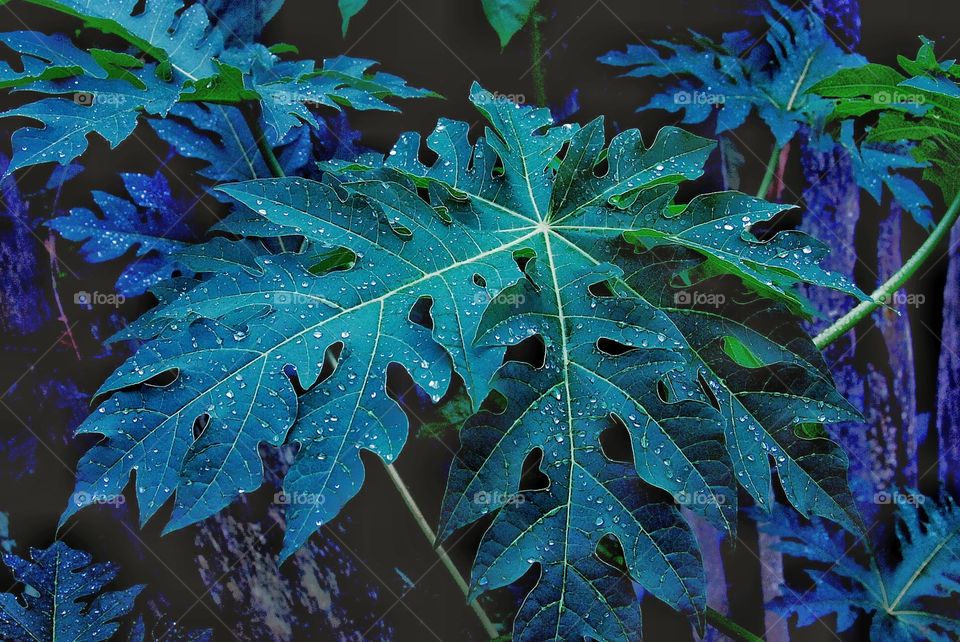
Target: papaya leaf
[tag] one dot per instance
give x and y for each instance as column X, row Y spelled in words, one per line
column 742, row 73
column 921, row 107
column 180, row 37
column 777, row 75
column 150, row 221
column 903, row 599
column 65, row 600
column 517, row 235
column 106, row 92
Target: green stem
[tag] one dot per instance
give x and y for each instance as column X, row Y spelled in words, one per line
column 846, row 323
column 769, row 173
column 727, row 626
column 536, row 52
column 253, row 122
column 424, row 525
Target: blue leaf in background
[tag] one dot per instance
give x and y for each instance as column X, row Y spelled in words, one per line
column 906, row 599
column 741, row 73
column 65, row 601
column 242, row 21
column 877, row 164
column 149, row 220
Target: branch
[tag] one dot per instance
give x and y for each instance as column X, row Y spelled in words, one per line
column 727, row 626
column 253, row 122
column 488, row 626
column 879, row 296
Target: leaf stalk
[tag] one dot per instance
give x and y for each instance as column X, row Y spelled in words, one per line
column 879, row 296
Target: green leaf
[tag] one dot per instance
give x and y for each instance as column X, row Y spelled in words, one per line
column 531, row 231
column 923, row 107
column 507, row 17
column 348, row 9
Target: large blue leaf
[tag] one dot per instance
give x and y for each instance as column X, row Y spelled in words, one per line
column 433, row 284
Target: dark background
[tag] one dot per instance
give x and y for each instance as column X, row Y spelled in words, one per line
column 443, row 46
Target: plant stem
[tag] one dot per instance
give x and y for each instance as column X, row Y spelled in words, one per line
column 879, row 296
column 729, row 627
column 769, row 173
column 536, row 52
column 424, row 525
column 265, row 150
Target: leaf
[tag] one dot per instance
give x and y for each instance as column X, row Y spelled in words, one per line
column 904, row 600
column 517, row 235
column 769, row 74
column 923, row 108
column 150, row 221
column 44, row 58
column 788, row 77
column 108, row 107
column 348, row 9
column 105, row 91
column 181, row 37
column 507, row 17
column 288, row 89
column 242, row 21
column 64, row 599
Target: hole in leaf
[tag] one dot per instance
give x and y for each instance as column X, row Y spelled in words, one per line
column 199, row 425
column 479, row 281
column 664, row 391
column 163, row 379
column 332, row 260
column 495, row 403
column 601, row 167
column 615, row 442
column 139, row 8
column 531, row 478
column 420, row 312
column 610, row 552
column 521, row 258
column 401, row 230
column 613, row 348
column 331, row 359
column 601, row 289
column 531, row 350
column 497, row 171
column 707, row 392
